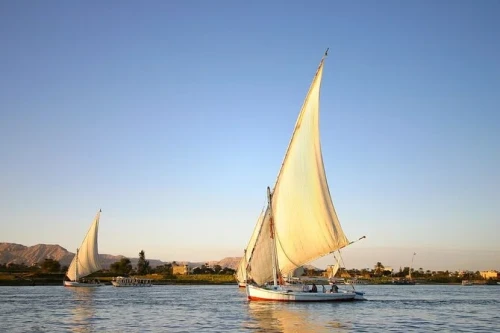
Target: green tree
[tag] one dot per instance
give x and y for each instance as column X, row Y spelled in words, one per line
column 217, row 269
column 165, row 269
column 143, row 264
column 50, row 265
column 122, row 267
column 228, row 271
column 386, row 272
column 12, row 267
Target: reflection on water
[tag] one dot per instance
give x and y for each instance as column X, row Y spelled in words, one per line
column 208, row 309
column 83, row 310
column 289, row 317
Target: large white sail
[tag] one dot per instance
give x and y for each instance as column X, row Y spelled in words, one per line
column 86, row 261
column 306, row 224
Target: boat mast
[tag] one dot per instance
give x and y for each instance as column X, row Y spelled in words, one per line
column 413, row 257
column 271, row 225
column 246, row 264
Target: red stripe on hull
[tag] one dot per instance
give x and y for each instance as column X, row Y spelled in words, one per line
column 253, row 298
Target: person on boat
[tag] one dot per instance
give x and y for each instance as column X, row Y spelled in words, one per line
column 314, row 288
column 334, row 289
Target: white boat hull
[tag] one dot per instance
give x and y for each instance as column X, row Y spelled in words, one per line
column 282, row 294
column 81, row 285
column 121, row 285
column 121, row 281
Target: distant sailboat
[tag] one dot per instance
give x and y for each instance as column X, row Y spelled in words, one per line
column 332, row 271
column 241, row 271
column 409, row 280
column 86, row 260
column 240, row 274
column 299, row 223
column 411, row 267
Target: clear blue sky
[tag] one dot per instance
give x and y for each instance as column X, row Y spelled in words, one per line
column 174, row 116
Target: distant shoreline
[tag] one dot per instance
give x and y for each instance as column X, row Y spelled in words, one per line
column 28, row 283
column 156, row 283
column 57, row 279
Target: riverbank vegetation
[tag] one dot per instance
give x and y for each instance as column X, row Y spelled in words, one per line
column 50, row 272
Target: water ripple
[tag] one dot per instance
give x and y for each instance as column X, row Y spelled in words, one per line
column 225, row 309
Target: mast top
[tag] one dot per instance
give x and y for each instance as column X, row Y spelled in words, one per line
column 326, row 52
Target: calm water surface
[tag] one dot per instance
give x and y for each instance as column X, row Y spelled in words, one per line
column 418, row 308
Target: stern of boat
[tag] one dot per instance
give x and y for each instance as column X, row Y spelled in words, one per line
column 360, row 296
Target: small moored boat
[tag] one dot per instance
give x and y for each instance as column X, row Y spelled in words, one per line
column 121, row 281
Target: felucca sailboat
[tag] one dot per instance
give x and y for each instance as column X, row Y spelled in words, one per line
column 86, row 260
column 299, row 223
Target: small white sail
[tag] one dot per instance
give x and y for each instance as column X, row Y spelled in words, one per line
column 306, row 224
column 241, row 270
column 241, row 273
column 260, row 268
column 87, row 261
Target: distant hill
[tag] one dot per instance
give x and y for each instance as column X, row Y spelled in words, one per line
column 17, row 253
column 29, row 255
column 230, row 262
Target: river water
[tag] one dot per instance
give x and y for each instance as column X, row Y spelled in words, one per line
column 418, row 308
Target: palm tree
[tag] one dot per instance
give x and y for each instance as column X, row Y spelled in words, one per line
column 379, row 268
